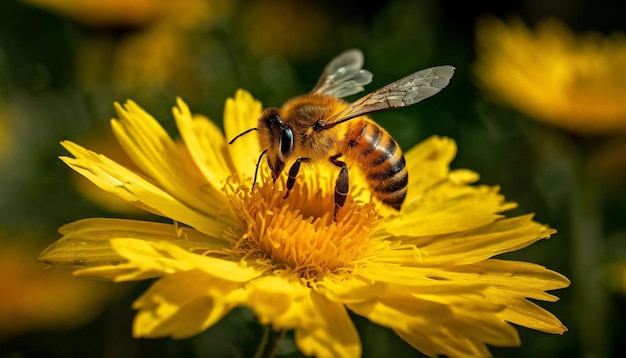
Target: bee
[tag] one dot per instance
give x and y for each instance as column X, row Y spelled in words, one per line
column 320, row 125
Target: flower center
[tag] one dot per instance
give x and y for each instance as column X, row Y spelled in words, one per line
column 298, row 233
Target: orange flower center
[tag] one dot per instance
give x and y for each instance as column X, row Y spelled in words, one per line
column 298, row 233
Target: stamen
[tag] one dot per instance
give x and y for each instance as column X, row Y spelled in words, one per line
column 298, row 234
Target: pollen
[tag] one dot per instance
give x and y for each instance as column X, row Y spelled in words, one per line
column 298, row 234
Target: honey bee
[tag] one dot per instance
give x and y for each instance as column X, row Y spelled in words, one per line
column 320, row 125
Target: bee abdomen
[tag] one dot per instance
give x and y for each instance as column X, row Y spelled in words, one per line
column 382, row 161
column 390, row 183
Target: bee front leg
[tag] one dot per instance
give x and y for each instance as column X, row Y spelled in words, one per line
column 341, row 185
column 293, row 173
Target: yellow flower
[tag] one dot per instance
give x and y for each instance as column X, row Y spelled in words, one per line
column 576, row 82
column 426, row 273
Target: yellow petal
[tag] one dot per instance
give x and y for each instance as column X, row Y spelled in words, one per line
column 428, row 163
column 323, row 328
column 528, row 314
column 523, row 278
column 137, row 190
column 152, row 150
column 384, row 282
column 449, row 208
column 408, row 314
column 439, row 201
column 510, row 283
column 183, row 304
column 427, row 279
column 85, row 243
column 437, row 329
column 240, row 114
column 279, row 301
column 157, row 258
column 206, row 145
column 333, row 335
column 469, row 246
column 531, row 281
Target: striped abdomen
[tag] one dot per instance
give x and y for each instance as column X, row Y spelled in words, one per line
column 379, row 157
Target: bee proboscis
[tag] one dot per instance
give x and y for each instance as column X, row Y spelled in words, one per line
column 320, row 125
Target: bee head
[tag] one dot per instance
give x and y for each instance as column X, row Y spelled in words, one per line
column 277, row 138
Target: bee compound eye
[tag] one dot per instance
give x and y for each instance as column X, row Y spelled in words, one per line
column 286, row 141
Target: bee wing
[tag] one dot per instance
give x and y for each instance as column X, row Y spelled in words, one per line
column 404, row 92
column 344, row 75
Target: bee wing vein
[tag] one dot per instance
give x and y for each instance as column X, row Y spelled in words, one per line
column 404, row 92
column 343, row 76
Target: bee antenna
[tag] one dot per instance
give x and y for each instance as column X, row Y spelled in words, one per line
column 256, row 171
column 241, row 134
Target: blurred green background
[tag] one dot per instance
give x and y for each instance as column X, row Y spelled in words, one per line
column 63, row 64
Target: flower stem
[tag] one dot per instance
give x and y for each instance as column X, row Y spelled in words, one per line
column 270, row 341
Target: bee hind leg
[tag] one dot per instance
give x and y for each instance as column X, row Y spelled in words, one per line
column 341, row 185
column 293, row 173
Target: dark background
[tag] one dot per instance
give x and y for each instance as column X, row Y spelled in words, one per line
column 60, row 74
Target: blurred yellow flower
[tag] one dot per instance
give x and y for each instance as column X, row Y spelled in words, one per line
column 575, row 82
column 32, row 299
column 184, row 13
column 153, row 52
column 426, row 273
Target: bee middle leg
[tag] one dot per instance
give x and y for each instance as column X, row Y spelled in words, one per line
column 341, row 185
column 293, row 173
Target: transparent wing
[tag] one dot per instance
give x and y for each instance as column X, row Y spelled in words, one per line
column 404, row 92
column 343, row 76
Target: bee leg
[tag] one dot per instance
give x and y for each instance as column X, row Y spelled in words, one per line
column 341, row 185
column 293, row 173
